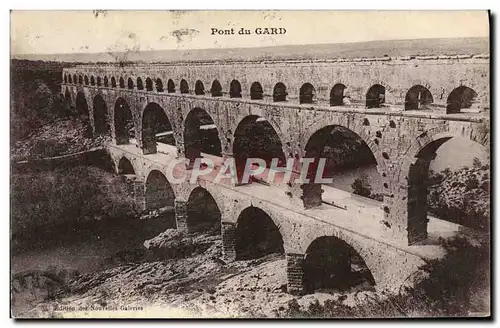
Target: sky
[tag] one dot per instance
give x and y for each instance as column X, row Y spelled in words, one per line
column 55, row 32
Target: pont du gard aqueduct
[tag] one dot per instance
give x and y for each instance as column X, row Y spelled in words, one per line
column 397, row 110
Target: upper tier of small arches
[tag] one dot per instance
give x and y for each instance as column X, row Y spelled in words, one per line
column 418, row 97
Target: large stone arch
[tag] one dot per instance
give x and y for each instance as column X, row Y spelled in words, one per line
column 462, row 97
column 123, row 117
column 121, row 163
column 82, row 104
column 476, row 133
column 154, row 117
column 259, row 239
column 328, row 263
column 213, row 109
column 242, row 148
column 203, row 211
column 100, row 115
column 159, row 192
column 196, row 141
column 409, row 206
column 418, row 97
column 68, row 100
column 370, row 251
column 242, row 114
column 355, row 125
column 326, row 137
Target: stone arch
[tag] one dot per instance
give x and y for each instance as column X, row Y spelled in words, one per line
column 81, row 104
column 375, row 96
column 126, row 167
column 149, row 84
column 418, row 97
column 159, row 85
column 307, row 94
column 75, row 79
column 99, row 81
column 170, row 86
column 414, row 171
column 156, row 127
column 130, row 83
column 279, row 92
column 331, row 263
column 82, row 109
column 342, row 148
column 122, row 82
column 140, row 85
column 106, row 81
column 101, row 122
column 65, row 78
column 256, row 91
column 92, row 80
column 86, row 80
column 199, row 89
column 203, row 212
column 255, row 137
column 70, row 79
column 158, row 192
column 113, row 82
column 216, row 89
column 200, row 135
column 184, row 86
column 67, row 100
column 256, row 235
column 80, row 79
column 337, row 95
column 124, row 122
column 235, row 89
column 459, row 98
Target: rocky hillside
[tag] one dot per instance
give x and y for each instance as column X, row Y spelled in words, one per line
column 462, row 196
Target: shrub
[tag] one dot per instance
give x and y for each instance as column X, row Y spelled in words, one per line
column 361, row 186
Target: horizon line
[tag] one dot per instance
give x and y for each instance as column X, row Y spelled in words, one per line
column 12, row 55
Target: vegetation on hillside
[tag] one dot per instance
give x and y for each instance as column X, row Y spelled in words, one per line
column 462, row 196
column 457, row 285
column 42, row 201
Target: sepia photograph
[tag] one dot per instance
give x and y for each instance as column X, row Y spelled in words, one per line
column 253, row 164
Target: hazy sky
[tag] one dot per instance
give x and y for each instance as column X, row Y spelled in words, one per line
column 50, row 32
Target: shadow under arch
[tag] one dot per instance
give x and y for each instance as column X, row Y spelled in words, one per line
column 159, row 193
column 460, row 98
column 375, row 96
column 256, row 91
column 307, row 94
column 342, row 150
column 418, row 97
column 203, row 212
column 256, row 235
column 255, row 137
column 200, row 135
column 101, row 121
column 124, row 122
column 332, row 265
column 125, row 166
column 337, row 95
column 82, row 110
column 156, row 128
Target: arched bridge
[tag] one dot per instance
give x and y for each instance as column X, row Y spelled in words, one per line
column 399, row 109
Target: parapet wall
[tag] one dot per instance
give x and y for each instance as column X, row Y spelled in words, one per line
column 439, row 74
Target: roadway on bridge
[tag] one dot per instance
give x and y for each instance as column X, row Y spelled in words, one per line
column 359, row 215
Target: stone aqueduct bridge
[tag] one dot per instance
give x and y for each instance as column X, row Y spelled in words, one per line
column 403, row 108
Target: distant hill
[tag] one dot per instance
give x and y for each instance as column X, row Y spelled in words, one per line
column 392, row 48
